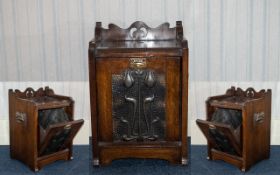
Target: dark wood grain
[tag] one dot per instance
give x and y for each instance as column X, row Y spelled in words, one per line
column 25, row 133
column 184, row 105
column 93, row 103
column 166, row 53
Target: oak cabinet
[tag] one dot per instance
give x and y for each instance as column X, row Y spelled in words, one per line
column 139, row 93
column 42, row 126
column 237, row 126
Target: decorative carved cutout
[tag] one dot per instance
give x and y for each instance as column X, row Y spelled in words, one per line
column 138, row 33
column 29, row 92
column 250, row 92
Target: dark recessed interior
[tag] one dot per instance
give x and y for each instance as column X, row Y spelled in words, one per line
column 47, row 119
column 232, row 118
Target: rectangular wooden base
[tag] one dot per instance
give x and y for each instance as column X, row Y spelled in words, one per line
column 40, row 162
column 169, row 151
column 232, row 159
column 45, row 160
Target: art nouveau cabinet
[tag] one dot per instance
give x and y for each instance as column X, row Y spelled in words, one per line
column 237, row 126
column 139, row 93
column 42, row 126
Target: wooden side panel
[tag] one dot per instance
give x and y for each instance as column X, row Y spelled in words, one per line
column 70, row 111
column 11, row 122
column 23, row 133
column 256, row 132
column 93, row 105
column 268, row 122
column 184, row 105
column 173, row 125
column 104, row 96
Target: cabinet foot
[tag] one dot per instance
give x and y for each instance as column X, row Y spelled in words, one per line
column 95, row 162
column 185, row 161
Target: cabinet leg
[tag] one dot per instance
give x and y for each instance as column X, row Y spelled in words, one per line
column 95, row 162
column 35, row 168
column 185, row 161
column 178, row 161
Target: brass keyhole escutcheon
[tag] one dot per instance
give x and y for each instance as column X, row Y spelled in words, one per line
column 138, row 63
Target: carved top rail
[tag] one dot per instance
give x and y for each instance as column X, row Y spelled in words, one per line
column 237, row 96
column 248, row 93
column 138, row 31
column 31, row 93
column 40, row 96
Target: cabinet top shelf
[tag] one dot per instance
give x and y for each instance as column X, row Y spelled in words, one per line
column 139, row 35
column 173, row 44
column 42, row 98
column 232, row 102
column 49, row 101
column 236, row 98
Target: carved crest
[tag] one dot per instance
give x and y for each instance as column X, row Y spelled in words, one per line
column 249, row 92
column 138, row 31
column 30, row 92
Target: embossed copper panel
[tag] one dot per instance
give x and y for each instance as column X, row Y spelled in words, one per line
column 138, row 105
